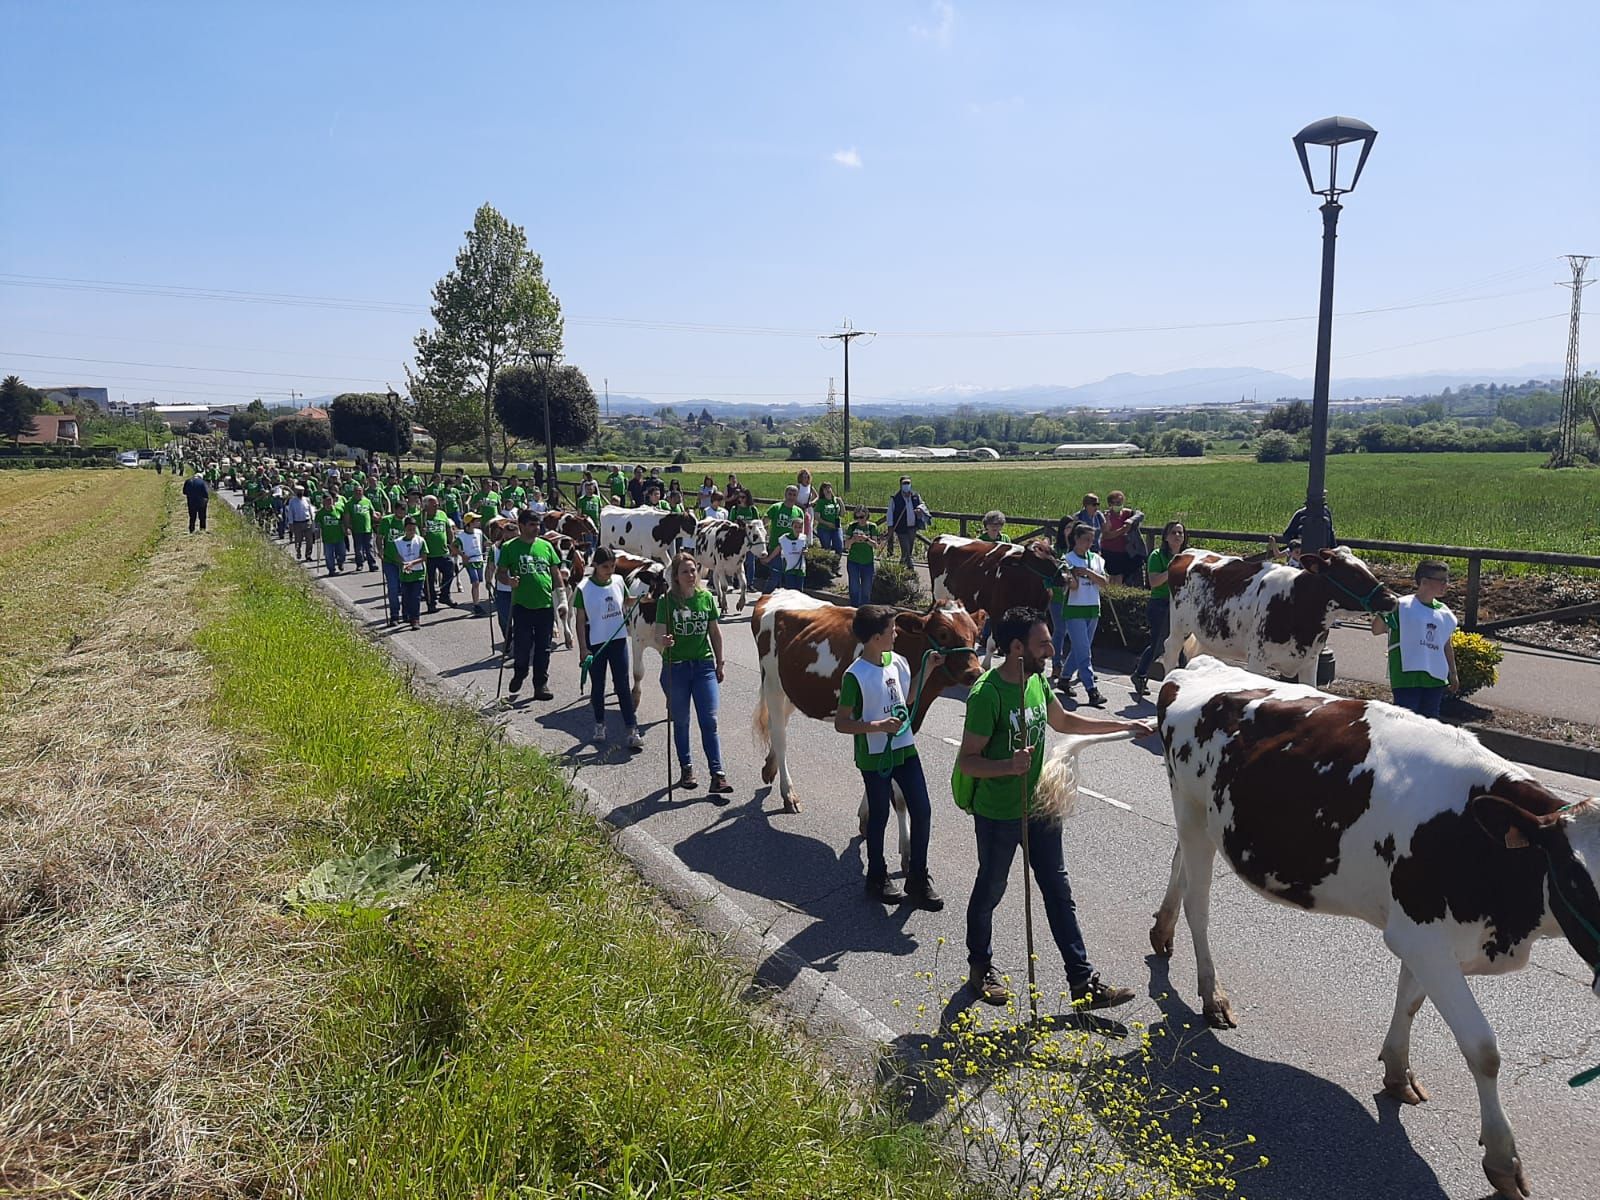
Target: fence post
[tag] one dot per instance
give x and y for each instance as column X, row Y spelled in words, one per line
column 963, row 526
column 1474, row 571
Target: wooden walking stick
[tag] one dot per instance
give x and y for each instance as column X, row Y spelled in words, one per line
column 1027, row 882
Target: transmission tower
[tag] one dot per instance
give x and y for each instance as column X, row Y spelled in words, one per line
column 1572, row 386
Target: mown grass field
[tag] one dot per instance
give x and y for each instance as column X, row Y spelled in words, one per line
column 1499, row 500
column 69, row 543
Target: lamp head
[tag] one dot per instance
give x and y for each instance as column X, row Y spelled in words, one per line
column 1334, row 132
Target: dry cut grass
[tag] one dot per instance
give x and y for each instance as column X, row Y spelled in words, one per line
column 148, row 991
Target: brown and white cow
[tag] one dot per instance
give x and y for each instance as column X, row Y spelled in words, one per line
column 646, row 532
column 1274, row 617
column 646, row 579
column 1361, row 809
column 720, row 546
column 561, row 590
column 574, row 525
column 805, row 646
column 993, row 576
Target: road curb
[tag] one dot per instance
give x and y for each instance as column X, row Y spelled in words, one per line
column 1539, row 752
column 833, row 1017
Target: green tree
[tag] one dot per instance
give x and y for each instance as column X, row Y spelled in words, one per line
column 371, row 420
column 200, row 426
column 1188, row 444
column 806, row 448
column 519, row 395
column 491, row 310
column 1275, row 446
column 1291, row 417
column 259, row 434
column 18, row 404
column 239, row 423
column 305, row 434
column 920, row 435
column 441, row 404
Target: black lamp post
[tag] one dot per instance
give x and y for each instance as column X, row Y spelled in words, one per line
column 1332, row 132
column 545, row 358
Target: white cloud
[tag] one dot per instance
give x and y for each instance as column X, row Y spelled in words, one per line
column 847, row 158
column 942, row 28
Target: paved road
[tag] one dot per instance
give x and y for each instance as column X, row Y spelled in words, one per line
column 1314, row 994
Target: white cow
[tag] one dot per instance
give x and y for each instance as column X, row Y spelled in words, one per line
column 720, row 546
column 646, row 532
column 1360, row 809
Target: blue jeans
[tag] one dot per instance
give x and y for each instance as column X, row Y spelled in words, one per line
column 333, row 556
column 997, row 846
column 880, row 797
column 364, row 550
column 695, row 682
column 793, row 579
column 502, row 608
column 1424, row 700
column 391, row 579
column 750, row 570
column 615, row 657
column 411, row 600
column 1159, row 614
column 1058, row 637
column 831, row 539
column 441, row 574
column 860, row 576
column 1081, row 632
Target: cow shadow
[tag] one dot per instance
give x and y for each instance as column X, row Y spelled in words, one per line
column 809, row 879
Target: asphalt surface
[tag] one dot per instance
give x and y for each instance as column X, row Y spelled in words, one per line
column 1313, row 993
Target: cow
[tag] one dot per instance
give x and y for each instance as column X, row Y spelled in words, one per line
column 646, row 532
column 646, row 579
column 1361, row 809
column 1274, row 617
column 720, row 546
column 805, row 646
column 561, row 591
column 993, row 576
column 574, row 525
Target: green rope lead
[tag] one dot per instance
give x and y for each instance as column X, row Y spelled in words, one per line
column 1583, row 1077
column 908, row 715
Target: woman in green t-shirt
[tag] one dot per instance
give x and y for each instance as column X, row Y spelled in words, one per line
column 691, row 670
column 1174, row 541
column 860, row 545
column 1086, row 575
column 829, row 512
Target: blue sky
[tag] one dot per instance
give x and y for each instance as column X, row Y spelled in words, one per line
column 919, row 168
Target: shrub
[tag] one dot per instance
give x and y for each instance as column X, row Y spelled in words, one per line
column 681, row 457
column 822, row 567
column 1476, row 660
column 1274, row 446
column 806, row 448
column 895, row 583
column 1131, row 613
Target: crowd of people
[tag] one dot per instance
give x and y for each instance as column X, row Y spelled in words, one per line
column 423, row 533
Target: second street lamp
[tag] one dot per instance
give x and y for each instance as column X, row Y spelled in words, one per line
column 1330, row 133
column 545, row 358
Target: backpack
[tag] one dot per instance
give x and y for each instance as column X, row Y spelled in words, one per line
column 964, row 789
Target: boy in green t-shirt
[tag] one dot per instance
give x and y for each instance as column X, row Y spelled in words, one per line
column 531, row 566
column 860, row 543
column 994, row 526
column 1001, row 755
column 1422, row 658
column 410, row 553
column 875, row 707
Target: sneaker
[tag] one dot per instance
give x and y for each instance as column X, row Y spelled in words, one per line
column 988, row 987
column 1096, row 698
column 1096, row 994
column 920, row 890
column 1141, row 684
column 720, row 784
column 635, row 742
column 599, row 731
column 881, row 887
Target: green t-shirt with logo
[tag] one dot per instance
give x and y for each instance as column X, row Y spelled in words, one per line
column 744, row 512
column 1158, row 562
column 1011, row 717
column 360, row 515
column 828, row 514
column 860, row 552
column 618, row 484
column 589, row 506
column 435, row 531
column 390, row 526
column 489, row 505
column 688, row 622
column 534, row 564
column 330, row 520
column 780, row 517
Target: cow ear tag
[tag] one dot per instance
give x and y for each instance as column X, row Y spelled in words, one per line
column 888, row 659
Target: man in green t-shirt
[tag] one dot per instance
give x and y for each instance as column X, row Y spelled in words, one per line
column 1174, row 541
column 617, row 485
column 780, row 519
column 390, row 526
column 360, row 512
column 860, row 545
column 531, row 566
column 331, row 526
column 438, row 534
column 1001, row 755
column 1422, row 658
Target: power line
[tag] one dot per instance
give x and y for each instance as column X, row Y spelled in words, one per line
column 117, row 362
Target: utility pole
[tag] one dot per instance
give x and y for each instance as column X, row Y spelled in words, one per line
column 846, row 335
column 1572, row 387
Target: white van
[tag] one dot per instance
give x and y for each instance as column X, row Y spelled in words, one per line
column 128, row 458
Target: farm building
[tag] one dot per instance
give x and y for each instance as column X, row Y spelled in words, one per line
column 50, row 430
column 987, row 453
column 1094, row 449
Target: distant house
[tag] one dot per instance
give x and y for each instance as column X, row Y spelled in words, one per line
column 1094, row 449
column 51, row 430
column 315, row 414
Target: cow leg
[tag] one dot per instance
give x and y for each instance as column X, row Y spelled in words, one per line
column 738, row 574
column 1440, row 977
column 1198, row 851
column 638, row 670
column 1398, row 1079
column 902, row 820
column 1166, row 916
column 1173, row 650
column 777, row 764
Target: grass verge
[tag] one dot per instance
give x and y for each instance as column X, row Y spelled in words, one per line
column 539, row 1025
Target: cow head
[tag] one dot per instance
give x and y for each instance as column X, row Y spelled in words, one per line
column 756, row 529
column 1352, row 582
column 648, row 581
column 1038, row 558
column 1569, row 839
column 951, row 632
column 676, row 530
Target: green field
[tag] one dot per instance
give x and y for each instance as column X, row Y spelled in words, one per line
column 1498, row 500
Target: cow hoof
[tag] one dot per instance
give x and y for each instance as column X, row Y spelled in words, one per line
column 1405, row 1088
column 791, row 804
column 1219, row 1014
column 769, row 771
column 1161, row 935
column 1508, row 1180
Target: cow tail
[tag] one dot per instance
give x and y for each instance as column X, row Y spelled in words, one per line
column 760, row 725
column 1056, row 794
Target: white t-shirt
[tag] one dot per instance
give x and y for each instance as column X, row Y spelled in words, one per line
column 1424, row 633
column 494, row 554
column 716, row 514
column 883, row 689
column 471, row 543
column 602, row 609
column 1086, row 594
column 794, row 551
column 806, row 496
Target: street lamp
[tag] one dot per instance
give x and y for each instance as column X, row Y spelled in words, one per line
column 1332, row 132
column 545, row 358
